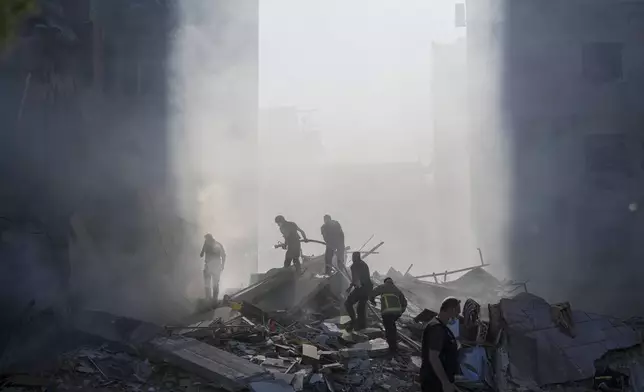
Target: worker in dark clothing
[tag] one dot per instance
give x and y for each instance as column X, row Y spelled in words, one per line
column 392, row 305
column 334, row 237
column 440, row 350
column 291, row 233
column 362, row 286
column 214, row 265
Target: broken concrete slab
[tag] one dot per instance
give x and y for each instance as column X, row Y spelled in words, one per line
column 298, row 379
column 331, row 329
column 374, row 348
column 271, row 386
column 354, row 352
column 225, row 369
column 310, row 353
column 354, row 337
column 286, row 377
column 340, row 320
column 543, row 353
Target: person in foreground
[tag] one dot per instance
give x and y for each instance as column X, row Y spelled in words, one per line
column 440, row 350
column 392, row 305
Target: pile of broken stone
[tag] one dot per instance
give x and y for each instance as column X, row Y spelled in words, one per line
column 285, row 333
column 230, row 353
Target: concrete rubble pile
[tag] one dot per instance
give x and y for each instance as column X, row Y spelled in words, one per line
column 286, row 333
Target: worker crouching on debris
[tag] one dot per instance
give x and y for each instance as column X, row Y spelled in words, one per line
column 291, row 232
column 214, row 264
column 362, row 286
column 334, row 237
column 392, row 305
column 440, row 350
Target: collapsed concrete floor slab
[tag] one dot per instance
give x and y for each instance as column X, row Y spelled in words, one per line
column 224, row 369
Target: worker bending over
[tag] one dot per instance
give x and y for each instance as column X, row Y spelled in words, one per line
column 392, row 305
column 362, row 286
column 214, row 264
column 334, row 237
column 291, row 233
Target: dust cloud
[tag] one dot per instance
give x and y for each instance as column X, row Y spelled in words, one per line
column 214, row 139
column 141, row 142
column 348, row 123
column 346, row 127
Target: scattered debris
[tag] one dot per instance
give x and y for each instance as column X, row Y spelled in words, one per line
column 286, row 333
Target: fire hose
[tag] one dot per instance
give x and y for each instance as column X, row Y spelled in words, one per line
column 282, row 245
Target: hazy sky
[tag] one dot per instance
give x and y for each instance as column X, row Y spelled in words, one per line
column 364, row 66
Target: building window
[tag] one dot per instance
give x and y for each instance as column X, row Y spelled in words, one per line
column 607, row 154
column 602, row 62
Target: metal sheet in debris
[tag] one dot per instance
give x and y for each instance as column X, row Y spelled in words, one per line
column 559, row 357
column 223, row 368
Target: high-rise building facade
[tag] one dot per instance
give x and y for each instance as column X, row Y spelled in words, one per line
column 564, row 134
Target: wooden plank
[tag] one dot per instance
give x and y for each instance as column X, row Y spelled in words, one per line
column 225, row 369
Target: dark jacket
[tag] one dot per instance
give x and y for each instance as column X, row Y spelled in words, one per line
column 290, row 232
column 332, row 233
column 360, row 274
column 214, row 251
column 391, row 298
column 438, row 337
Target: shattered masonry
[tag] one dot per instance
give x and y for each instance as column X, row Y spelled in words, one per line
column 285, row 333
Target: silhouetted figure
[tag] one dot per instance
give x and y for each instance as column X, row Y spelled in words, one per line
column 334, row 237
column 392, row 305
column 362, row 286
column 291, row 233
column 214, row 265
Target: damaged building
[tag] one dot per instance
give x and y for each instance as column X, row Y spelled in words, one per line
column 567, row 136
column 87, row 145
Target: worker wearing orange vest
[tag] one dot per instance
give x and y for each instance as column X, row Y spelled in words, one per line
column 392, row 305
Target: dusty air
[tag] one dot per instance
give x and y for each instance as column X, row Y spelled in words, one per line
column 321, row 195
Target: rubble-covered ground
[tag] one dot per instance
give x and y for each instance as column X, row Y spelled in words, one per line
column 285, row 333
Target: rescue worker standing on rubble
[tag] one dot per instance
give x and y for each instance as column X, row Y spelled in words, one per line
column 334, row 237
column 291, row 232
column 214, row 264
column 362, row 286
column 392, row 305
column 440, row 350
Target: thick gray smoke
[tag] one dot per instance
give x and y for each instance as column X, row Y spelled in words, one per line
column 214, row 140
column 97, row 214
column 366, row 152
